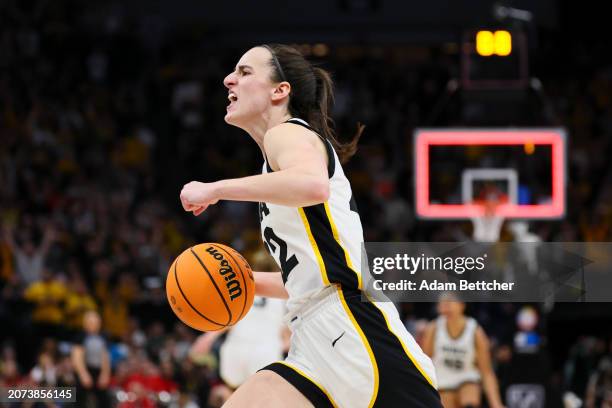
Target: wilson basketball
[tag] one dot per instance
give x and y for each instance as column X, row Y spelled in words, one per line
column 210, row 286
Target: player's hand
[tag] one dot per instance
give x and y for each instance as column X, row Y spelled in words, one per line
column 103, row 381
column 86, row 380
column 196, row 196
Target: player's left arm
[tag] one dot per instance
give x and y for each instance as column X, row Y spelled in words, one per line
column 427, row 342
column 105, row 370
column 483, row 360
column 300, row 178
column 270, row 284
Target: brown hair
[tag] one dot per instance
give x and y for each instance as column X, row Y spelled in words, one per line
column 311, row 96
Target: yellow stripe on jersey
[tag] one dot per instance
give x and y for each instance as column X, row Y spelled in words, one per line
column 410, row 356
column 315, row 247
column 365, row 342
column 300, row 372
column 337, row 238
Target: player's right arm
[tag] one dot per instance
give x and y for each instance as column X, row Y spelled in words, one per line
column 77, row 355
column 299, row 179
column 427, row 344
column 270, row 284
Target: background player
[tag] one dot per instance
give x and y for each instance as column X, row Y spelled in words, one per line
column 459, row 348
column 239, row 356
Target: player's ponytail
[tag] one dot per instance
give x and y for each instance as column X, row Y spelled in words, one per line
column 320, row 118
column 312, row 95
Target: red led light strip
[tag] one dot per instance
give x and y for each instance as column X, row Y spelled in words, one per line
column 554, row 138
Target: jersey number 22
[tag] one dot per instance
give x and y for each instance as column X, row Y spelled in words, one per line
column 272, row 241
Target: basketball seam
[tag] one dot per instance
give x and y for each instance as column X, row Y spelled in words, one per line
column 229, row 312
column 187, row 300
column 246, row 292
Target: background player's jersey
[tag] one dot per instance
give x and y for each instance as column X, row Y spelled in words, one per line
column 253, row 342
column 318, row 245
column 455, row 358
column 264, row 322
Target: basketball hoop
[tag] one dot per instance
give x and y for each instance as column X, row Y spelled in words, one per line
column 488, row 227
column 489, row 189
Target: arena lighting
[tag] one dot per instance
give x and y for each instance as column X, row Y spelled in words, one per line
column 485, row 46
column 493, row 43
column 503, row 43
column 552, row 137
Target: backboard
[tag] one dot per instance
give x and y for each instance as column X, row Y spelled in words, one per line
column 455, row 169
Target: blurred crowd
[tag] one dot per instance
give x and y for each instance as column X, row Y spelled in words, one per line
column 104, row 117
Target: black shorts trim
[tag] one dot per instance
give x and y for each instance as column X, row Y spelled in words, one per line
column 309, row 389
column 400, row 383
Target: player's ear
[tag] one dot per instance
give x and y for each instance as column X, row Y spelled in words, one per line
column 281, row 91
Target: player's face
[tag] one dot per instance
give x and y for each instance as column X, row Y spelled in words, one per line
column 450, row 308
column 249, row 87
column 91, row 322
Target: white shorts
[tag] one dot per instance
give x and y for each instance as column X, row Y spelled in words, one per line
column 238, row 361
column 346, row 352
column 454, row 381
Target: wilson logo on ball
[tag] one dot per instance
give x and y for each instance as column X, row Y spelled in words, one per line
column 232, row 284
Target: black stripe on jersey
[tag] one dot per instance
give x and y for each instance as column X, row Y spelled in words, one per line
column 332, row 253
column 331, row 166
column 310, row 390
column 268, row 168
column 400, row 382
column 353, row 204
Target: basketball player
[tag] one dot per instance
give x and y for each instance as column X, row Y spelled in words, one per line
column 460, row 352
column 344, row 352
column 239, row 356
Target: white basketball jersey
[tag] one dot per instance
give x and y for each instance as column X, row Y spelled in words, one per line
column 455, row 358
column 318, row 245
column 264, row 322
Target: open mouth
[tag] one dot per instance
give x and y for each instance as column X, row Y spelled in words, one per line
column 232, row 98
